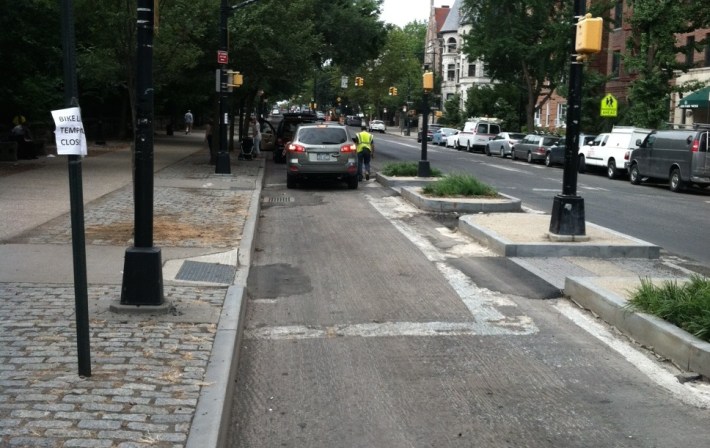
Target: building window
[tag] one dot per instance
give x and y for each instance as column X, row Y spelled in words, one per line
column 707, row 50
column 471, row 69
column 561, row 120
column 689, row 50
column 537, row 116
column 615, row 64
column 451, row 45
column 449, row 96
column 451, row 72
column 619, row 14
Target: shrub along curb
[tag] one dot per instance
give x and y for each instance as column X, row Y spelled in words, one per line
column 684, row 349
column 501, row 204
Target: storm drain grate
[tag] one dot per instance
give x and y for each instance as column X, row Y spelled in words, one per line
column 195, row 271
column 279, row 199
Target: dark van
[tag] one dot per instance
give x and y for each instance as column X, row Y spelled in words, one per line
column 677, row 156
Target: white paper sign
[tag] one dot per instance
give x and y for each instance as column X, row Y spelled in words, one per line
column 69, row 134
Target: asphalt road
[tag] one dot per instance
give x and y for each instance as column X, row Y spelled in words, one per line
column 675, row 221
column 364, row 329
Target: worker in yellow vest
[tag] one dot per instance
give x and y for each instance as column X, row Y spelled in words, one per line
column 365, row 151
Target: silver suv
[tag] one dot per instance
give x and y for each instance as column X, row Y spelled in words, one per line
column 321, row 150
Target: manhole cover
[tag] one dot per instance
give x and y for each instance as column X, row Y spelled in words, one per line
column 195, row 271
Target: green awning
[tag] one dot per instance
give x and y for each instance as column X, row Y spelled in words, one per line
column 696, row 100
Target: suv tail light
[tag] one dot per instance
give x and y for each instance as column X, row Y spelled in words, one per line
column 348, row 147
column 627, row 155
column 696, row 145
column 541, row 150
column 296, row 148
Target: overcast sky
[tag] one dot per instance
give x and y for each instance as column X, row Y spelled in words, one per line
column 401, row 12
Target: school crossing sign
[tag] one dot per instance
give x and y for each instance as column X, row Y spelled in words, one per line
column 609, row 106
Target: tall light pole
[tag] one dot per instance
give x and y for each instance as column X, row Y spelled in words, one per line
column 567, row 218
column 423, row 169
column 142, row 268
column 223, row 165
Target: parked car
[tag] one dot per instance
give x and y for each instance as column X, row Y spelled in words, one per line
column 476, row 133
column 321, row 150
column 677, row 156
column 285, row 130
column 439, row 136
column 555, row 154
column 502, row 144
column 353, row 120
column 377, row 125
column 431, row 128
column 534, row 147
column 611, row 150
column 452, row 141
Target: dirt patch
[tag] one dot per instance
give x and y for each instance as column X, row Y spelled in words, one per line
column 167, row 231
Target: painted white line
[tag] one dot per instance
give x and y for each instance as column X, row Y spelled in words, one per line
column 692, row 394
column 505, row 168
column 546, row 189
column 586, row 187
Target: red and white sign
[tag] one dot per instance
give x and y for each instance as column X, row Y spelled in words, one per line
column 222, row 57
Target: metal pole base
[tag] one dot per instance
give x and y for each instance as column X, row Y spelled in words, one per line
column 567, row 215
column 223, row 165
column 142, row 277
column 424, row 169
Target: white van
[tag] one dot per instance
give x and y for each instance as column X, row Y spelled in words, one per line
column 477, row 132
column 611, row 150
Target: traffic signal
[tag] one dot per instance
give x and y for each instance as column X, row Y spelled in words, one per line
column 391, row 91
column 428, row 81
column 359, row 81
column 589, row 35
column 394, row 91
column 234, row 79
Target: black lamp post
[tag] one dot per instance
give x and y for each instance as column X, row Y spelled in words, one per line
column 424, row 169
column 223, row 165
column 142, row 269
column 568, row 208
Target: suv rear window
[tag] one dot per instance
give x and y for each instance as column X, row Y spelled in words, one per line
column 322, row 136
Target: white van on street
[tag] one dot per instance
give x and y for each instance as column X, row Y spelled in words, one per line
column 477, row 132
column 611, row 150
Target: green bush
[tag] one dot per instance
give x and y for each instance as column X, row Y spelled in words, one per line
column 406, row 169
column 687, row 305
column 459, row 185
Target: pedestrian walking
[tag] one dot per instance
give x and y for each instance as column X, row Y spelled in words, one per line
column 365, row 152
column 209, row 130
column 256, row 137
column 22, row 135
column 188, row 122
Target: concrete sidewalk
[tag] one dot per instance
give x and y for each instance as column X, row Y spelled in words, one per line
column 158, row 379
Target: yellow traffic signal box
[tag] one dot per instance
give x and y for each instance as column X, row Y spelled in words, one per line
column 589, row 35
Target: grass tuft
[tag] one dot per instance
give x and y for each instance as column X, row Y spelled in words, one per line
column 406, row 169
column 686, row 306
column 459, row 185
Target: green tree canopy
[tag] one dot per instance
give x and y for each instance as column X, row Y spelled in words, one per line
column 524, row 43
column 652, row 53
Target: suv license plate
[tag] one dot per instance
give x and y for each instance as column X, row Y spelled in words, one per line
column 323, row 157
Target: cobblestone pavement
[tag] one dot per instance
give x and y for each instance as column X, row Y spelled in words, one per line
column 147, row 370
column 146, row 373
